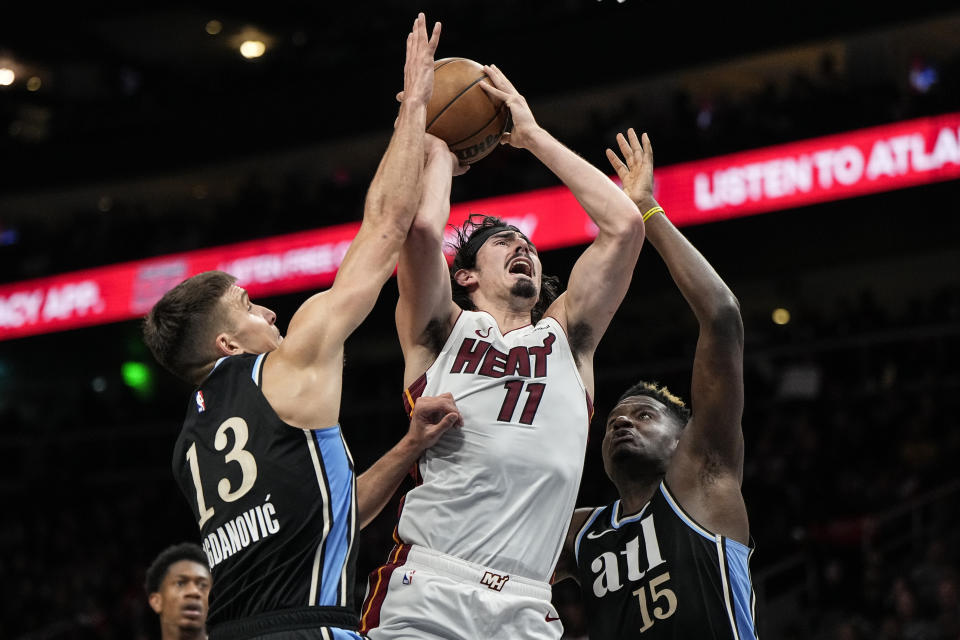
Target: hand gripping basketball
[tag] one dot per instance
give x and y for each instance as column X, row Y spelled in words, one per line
column 461, row 113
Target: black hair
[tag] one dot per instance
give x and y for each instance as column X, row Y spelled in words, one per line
column 469, row 238
column 677, row 408
column 158, row 569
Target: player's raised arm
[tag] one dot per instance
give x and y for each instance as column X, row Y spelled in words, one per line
column 601, row 276
column 302, row 378
column 388, row 211
column 707, row 469
column 677, row 471
column 423, row 278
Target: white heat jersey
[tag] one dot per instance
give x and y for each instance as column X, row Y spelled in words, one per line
column 499, row 490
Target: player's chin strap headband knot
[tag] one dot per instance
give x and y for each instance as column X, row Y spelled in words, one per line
column 472, row 246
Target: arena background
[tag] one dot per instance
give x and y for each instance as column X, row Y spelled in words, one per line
column 144, row 135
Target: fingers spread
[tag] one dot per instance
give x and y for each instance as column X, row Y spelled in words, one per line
column 625, row 149
column 616, row 163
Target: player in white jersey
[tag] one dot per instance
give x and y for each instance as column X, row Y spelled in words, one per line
column 479, row 536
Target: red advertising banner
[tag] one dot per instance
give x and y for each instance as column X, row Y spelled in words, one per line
column 801, row 173
column 747, row 183
column 271, row 266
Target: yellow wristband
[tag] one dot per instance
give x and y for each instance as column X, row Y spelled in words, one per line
column 652, row 212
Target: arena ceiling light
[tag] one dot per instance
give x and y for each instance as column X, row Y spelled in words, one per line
column 251, row 42
column 250, row 49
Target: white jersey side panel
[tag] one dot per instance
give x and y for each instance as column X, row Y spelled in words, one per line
column 499, row 490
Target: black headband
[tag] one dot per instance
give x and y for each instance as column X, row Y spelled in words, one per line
column 472, row 246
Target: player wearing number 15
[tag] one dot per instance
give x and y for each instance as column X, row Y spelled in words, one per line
column 670, row 558
column 261, row 459
column 479, row 535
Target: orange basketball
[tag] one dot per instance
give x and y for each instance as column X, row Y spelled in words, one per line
column 461, row 113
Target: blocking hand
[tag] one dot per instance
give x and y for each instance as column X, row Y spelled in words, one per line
column 636, row 168
column 432, row 417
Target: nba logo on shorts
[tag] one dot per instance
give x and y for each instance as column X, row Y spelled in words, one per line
column 201, row 407
column 408, row 576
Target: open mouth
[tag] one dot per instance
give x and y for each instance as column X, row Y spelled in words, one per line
column 521, row 266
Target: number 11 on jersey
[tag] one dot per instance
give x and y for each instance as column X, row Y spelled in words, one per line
column 514, row 388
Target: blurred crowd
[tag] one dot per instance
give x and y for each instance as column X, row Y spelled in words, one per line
column 850, row 419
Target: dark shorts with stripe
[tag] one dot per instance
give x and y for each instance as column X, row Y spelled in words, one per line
column 307, row 623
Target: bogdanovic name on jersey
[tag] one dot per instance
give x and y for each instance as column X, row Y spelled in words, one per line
column 243, row 531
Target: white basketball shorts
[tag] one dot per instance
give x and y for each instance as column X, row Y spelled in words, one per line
column 428, row 595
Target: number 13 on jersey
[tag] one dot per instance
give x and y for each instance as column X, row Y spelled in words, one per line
column 237, row 454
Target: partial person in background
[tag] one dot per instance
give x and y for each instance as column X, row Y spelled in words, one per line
column 178, row 589
column 479, row 535
column 261, row 458
column 670, row 558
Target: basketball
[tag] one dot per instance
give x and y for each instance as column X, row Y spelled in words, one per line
column 461, row 113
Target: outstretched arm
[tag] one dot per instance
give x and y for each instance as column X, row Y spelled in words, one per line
column 602, row 274
column 707, row 468
column 302, row 378
column 423, row 278
column 431, row 418
column 391, row 200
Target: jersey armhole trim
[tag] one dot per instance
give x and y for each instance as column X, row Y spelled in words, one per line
column 573, row 358
column 412, row 393
column 583, row 529
column 696, row 526
column 683, row 515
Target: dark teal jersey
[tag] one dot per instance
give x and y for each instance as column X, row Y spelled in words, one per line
column 276, row 504
column 658, row 575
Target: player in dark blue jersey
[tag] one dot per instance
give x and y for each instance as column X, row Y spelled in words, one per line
column 279, row 506
column 669, row 559
column 261, row 459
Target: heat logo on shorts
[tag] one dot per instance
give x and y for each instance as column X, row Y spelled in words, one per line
column 494, row 580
